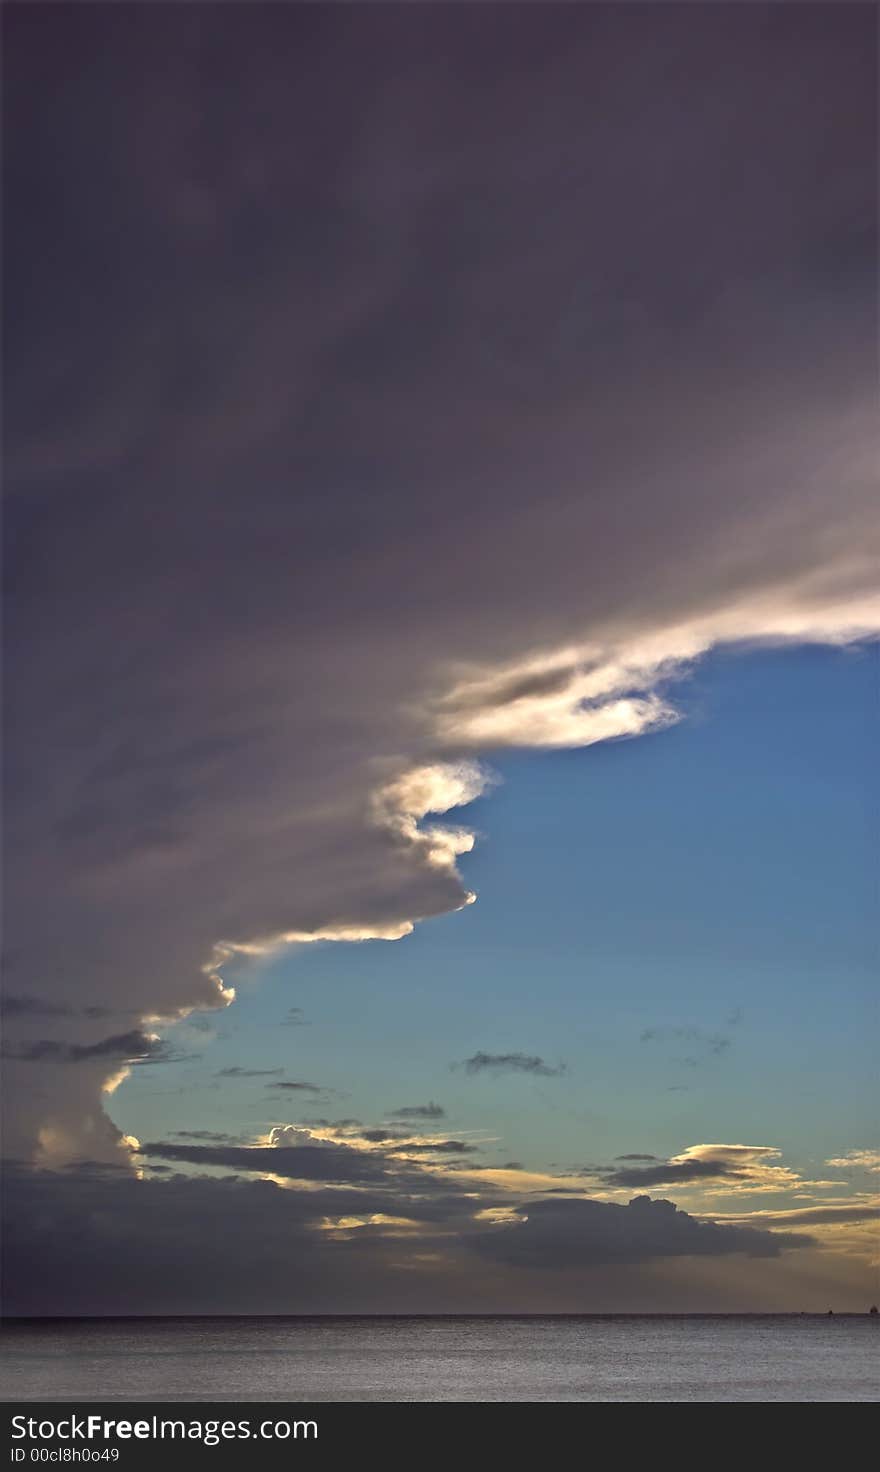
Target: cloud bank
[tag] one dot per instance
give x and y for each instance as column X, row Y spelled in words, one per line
column 356, row 1241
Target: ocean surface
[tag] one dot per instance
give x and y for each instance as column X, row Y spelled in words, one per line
column 627, row 1358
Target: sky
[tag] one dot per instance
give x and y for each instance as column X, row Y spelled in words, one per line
column 440, row 658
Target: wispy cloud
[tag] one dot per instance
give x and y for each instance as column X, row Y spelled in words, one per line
column 294, row 1086
column 237, row 1072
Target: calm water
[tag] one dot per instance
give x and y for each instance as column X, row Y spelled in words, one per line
column 456, row 1359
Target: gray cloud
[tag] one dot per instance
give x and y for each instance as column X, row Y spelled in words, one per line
column 561, row 1235
column 300, row 1087
column 510, row 1063
column 419, row 1111
column 668, row 1174
column 295, row 1018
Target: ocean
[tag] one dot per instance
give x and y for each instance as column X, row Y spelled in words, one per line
column 585, row 1358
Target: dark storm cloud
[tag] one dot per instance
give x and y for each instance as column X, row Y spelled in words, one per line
column 562, row 1235
column 510, row 1063
column 345, row 441
column 636, row 1157
column 419, row 1111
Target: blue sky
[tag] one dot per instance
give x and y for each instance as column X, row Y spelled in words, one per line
column 716, row 879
